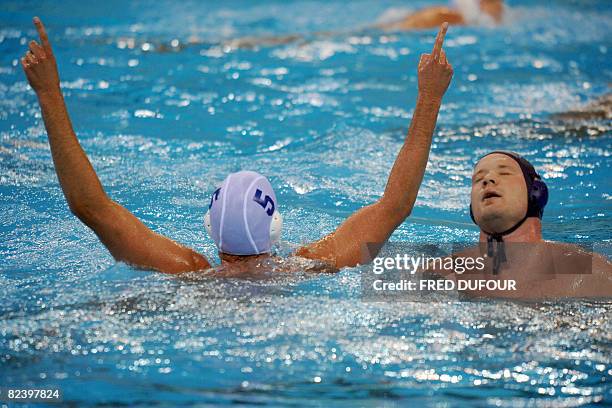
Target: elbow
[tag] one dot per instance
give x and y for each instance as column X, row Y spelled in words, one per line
column 402, row 214
column 81, row 211
column 396, row 211
column 87, row 213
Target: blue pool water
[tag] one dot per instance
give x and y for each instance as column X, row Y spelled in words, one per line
column 324, row 119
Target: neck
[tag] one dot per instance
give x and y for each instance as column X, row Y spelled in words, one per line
column 529, row 231
column 229, row 258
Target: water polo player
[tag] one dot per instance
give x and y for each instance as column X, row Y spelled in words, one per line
column 508, row 198
column 460, row 12
column 244, row 217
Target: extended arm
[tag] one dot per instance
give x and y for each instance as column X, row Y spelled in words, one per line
column 376, row 222
column 127, row 238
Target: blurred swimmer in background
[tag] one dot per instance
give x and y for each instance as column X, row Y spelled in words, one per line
column 243, row 218
column 487, row 13
column 460, row 12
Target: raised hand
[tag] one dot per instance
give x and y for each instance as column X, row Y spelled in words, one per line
column 39, row 63
column 435, row 72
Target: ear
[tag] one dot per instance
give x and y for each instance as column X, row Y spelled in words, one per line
column 539, row 195
column 207, row 224
column 276, row 226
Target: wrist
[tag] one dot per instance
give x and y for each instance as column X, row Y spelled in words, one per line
column 50, row 93
column 425, row 96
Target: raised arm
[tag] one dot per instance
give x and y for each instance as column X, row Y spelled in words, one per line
column 128, row 239
column 376, row 222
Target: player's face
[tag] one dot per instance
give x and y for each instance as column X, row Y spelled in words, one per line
column 499, row 193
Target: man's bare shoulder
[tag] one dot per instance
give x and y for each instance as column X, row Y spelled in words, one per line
column 556, row 270
column 591, row 261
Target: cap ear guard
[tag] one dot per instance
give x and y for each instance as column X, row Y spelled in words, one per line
column 207, row 224
column 538, row 197
column 276, row 227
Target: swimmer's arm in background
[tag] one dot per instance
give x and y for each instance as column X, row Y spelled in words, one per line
column 376, row 222
column 128, row 239
column 429, row 17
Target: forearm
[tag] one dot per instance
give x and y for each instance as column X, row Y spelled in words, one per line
column 376, row 222
column 78, row 180
column 409, row 167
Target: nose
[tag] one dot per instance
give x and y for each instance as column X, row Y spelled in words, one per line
column 488, row 179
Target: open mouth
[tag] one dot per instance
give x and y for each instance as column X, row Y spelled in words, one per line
column 490, row 194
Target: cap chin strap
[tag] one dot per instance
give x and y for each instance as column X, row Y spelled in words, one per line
column 496, row 247
column 276, row 226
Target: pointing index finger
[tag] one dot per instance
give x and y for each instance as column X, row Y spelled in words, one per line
column 439, row 40
column 44, row 40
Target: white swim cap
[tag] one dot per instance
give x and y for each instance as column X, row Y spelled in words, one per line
column 242, row 216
